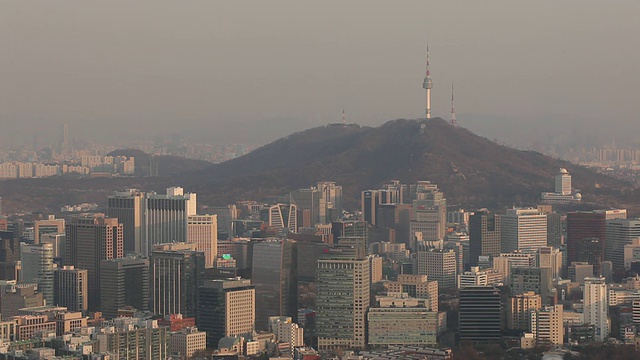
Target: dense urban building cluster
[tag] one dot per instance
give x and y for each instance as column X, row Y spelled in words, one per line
column 404, row 276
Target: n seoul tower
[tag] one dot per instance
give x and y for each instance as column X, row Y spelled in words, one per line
column 427, row 85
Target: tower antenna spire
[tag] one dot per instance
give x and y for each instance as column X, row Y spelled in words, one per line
column 344, row 118
column 454, row 122
column 427, row 85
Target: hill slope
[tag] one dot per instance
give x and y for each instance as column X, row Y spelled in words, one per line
column 470, row 169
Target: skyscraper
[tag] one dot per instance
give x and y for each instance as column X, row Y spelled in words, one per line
column 596, row 308
column 49, row 226
column 89, row 240
column 484, row 235
column 275, row 279
column 202, row 230
column 37, row 267
column 9, row 255
column 226, row 307
column 176, row 276
column 563, row 182
column 620, row 232
column 342, row 299
column 547, row 325
column 480, row 314
column 523, row 229
column 583, row 225
column 71, row 288
column 129, row 207
column 124, row 282
column 284, row 216
column 167, row 216
column 439, row 265
column 369, row 200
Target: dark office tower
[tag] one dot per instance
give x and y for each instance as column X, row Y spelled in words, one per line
column 308, row 254
column 9, row 255
column 71, row 288
column 369, row 201
column 124, row 282
column 484, row 235
column 226, row 307
column 589, row 250
column 480, row 314
column 588, row 224
column 275, row 279
column 176, row 276
column 89, row 240
column 397, row 217
column 554, row 229
column 349, row 228
column 128, row 208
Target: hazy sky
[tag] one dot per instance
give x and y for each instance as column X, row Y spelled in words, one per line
column 113, row 68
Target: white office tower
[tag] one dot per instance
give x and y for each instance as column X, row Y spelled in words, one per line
column 596, row 309
column 202, row 230
column 284, row 216
column 563, row 182
column 523, row 229
column 37, row 267
column 619, row 233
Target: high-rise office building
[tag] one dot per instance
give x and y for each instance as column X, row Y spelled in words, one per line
column 547, row 326
column 9, row 255
column 284, row 216
column 167, row 216
column 89, row 240
column 332, row 195
column 202, row 230
column 342, row 299
column 429, row 215
column 226, row 307
column 550, row 258
column 484, row 235
column 49, row 226
column 129, row 208
column 37, row 267
column 275, row 279
column 176, row 276
column 71, row 288
column 620, row 232
column 563, row 182
column 588, row 225
column 369, row 201
column 523, row 229
column 124, row 282
column 396, row 217
column 439, row 265
column 480, row 314
column 596, row 309
column 225, row 214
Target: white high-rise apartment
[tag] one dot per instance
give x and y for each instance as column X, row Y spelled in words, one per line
column 596, row 309
column 523, row 229
column 202, row 230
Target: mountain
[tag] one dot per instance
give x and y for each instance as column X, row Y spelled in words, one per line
column 470, row 169
column 165, row 165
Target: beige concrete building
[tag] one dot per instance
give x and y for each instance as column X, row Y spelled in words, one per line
column 202, row 230
column 439, row 265
column 547, row 325
column 417, row 286
column 186, row 342
column 375, row 270
column 519, row 309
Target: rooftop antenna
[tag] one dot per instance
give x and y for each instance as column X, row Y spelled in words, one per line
column 454, row 122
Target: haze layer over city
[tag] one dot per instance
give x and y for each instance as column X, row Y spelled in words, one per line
column 256, row 71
